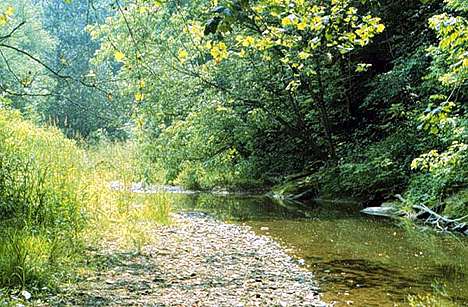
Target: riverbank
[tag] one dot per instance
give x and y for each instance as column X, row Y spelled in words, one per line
column 197, row 261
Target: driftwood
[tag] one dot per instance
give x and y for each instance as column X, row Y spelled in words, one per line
column 386, row 211
column 422, row 214
column 443, row 223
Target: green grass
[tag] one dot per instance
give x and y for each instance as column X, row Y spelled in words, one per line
column 122, row 217
column 42, row 196
column 55, row 201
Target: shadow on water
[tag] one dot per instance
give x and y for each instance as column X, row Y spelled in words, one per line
column 247, row 207
column 356, row 259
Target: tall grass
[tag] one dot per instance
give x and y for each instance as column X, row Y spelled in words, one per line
column 40, row 173
column 42, row 196
column 121, row 216
column 55, row 200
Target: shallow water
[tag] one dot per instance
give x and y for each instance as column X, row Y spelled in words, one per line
column 357, row 260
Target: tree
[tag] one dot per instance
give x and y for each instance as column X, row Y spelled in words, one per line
column 446, row 116
column 88, row 107
column 23, row 44
column 276, row 66
column 307, row 40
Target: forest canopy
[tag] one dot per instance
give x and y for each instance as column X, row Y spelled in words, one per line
column 364, row 99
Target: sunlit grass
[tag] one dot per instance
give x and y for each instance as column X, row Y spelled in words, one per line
column 120, row 216
column 42, row 197
column 126, row 220
column 56, row 200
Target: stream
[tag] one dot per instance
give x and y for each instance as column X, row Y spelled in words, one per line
column 357, row 259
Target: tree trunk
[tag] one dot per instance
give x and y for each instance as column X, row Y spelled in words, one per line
column 324, row 118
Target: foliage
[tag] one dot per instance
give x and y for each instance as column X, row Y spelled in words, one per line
column 6, row 15
column 442, row 174
column 44, row 62
column 197, row 119
column 55, row 199
column 41, row 174
column 451, row 59
column 24, row 81
column 304, row 43
column 444, row 170
column 372, row 172
column 364, row 99
column 89, row 107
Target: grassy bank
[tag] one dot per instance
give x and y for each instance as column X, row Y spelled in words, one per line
column 55, row 202
column 42, row 200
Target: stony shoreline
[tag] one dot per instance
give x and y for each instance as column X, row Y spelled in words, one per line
column 199, row 261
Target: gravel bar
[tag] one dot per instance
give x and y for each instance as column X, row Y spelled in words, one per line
column 200, row 261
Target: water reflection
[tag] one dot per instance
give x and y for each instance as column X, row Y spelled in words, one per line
column 358, row 259
column 237, row 208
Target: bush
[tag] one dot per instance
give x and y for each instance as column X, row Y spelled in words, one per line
column 457, row 204
column 375, row 171
column 442, row 178
column 207, row 149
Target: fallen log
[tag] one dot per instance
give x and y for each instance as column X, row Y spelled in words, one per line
column 386, row 211
column 439, row 222
column 443, row 223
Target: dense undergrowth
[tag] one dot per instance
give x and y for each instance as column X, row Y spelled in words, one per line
column 55, row 202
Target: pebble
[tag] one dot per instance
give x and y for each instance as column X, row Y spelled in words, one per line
column 200, row 261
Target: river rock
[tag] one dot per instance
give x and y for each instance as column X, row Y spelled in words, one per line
column 200, row 261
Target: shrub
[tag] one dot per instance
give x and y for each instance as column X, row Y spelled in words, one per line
column 374, row 171
column 441, row 175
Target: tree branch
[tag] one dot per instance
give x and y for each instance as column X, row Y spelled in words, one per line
column 2, row 38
